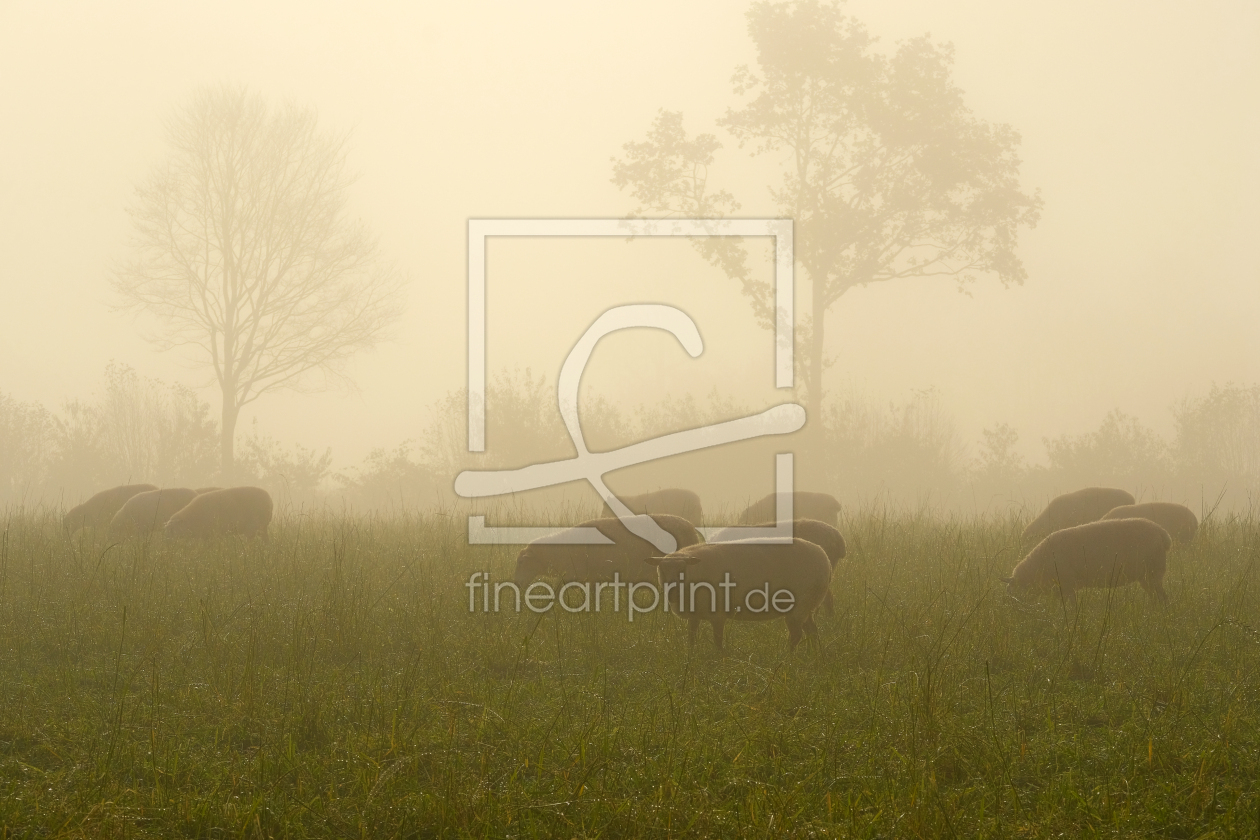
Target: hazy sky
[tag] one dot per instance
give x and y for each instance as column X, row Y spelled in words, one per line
column 1139, row 126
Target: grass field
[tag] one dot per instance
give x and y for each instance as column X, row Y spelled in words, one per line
column 333, row 683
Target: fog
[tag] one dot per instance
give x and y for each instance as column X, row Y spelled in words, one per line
column 1137, row 121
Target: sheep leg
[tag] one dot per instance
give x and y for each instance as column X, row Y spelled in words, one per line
column 794, row 634
column 1156, row 590
column 829, row 603
column 717, row 632
column 693, row 627
column 811, row 631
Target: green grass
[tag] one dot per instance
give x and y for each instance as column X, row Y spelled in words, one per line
column 332, row 683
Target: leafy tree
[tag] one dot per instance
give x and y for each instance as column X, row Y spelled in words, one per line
column 886, row 172
column 245, row 253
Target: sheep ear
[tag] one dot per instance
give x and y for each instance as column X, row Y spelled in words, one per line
column 692, row 559
column 653, row 561
column 1006, row 580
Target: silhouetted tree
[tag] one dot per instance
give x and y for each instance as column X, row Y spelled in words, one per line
column 244, row 251
column 886, row 172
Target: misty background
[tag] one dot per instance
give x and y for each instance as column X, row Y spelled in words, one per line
column 1128, row 356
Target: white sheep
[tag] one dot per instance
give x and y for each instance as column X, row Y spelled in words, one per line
column 819, row 533
column 235, row 510
column 1076, row 508
column 805, row 505
column 673, row 500
column 745, row 580
column 147, row 512
column 546, row 557
column 100, row 509
column 1106, row 554
column 1178, row 520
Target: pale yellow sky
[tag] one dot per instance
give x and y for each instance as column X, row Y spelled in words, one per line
column 1139, row 127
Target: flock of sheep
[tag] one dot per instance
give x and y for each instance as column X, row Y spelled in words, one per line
column 1099, row 537
column 140, row 509
column 1095, row 537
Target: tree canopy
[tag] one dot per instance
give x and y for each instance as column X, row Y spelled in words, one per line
column 886, row 172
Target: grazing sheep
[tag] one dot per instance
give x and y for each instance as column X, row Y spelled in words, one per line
column 1109, row 553
column 1087, row 505
column 819, row 533
column 674, row 501
column 147, row 512
column 100, row 509
column 599, row 562
column 805, row 505
column 1178, row 520
column 236, row 510
column 746, row 580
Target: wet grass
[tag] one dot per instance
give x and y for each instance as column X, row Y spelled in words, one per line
column 333, row 683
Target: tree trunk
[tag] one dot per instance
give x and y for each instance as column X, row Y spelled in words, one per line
column 227, row 436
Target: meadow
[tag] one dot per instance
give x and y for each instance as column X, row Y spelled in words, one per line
column 332, row 682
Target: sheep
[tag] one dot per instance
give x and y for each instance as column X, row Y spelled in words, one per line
column 805, row 505
column 598, row 562
column 1108, row 553
column 819, row 533
column 235, row 510
column 147, row 512
column 1086, row 505
column 1178, row 520
column 201, row 490
column 769, row 580
column 100, row 509
column 673, row 500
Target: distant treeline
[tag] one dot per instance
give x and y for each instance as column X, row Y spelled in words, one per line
column 905, row 455
column 908, row 454
column 146, row 430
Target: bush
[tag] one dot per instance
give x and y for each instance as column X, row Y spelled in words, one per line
column 293, row 475
column 27, row 438
column 140, row 429
column 392, row 480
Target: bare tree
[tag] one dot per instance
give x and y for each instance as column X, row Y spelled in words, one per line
column 885, row 171
column 244, row 251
